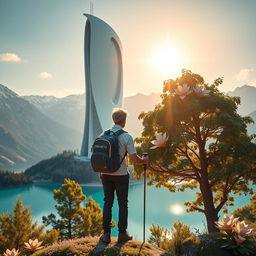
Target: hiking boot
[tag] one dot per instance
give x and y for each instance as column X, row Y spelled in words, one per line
column 105, row 238
column 124, row 237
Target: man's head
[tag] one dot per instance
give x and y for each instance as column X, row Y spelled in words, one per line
column 119, row 116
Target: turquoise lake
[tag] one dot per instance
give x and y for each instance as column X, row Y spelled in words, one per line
column 163, row 207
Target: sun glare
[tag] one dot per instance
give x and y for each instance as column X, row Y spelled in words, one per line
column 176, row 209
column 167, row 60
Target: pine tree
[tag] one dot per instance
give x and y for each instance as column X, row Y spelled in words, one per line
column 17, row 227
column 90, row 223
column 69, row 198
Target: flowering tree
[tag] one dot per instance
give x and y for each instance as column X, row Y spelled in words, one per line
column 199, row 141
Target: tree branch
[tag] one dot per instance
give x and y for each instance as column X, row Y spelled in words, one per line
column 195, row 169
column 198, row 209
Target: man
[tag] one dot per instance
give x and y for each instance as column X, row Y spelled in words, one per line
column 119, row 181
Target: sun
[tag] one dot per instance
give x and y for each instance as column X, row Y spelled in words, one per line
column 168, row 60
column 176, row 209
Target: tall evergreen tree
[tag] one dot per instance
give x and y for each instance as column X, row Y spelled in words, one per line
column 17, row 227
column 202, row 143
column 69, row 198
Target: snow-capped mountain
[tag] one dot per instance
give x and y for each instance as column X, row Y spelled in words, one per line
column 5, row 92
column 68, row 111
column 27, row 135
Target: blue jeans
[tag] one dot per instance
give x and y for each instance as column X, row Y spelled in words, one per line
column 120, row 184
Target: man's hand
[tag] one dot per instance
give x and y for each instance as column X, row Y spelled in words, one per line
column 145, row 159
column 138, row 160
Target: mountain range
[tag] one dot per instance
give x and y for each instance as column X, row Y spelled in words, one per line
column 27, row 135
column 35, row 127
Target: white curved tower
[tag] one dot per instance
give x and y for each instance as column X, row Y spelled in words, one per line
column 103, row 79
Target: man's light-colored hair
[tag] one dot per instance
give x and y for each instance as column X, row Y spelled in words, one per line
column 119, row 115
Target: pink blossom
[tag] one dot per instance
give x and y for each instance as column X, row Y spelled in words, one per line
column 160, row 141
column 183, row 91
column 242, row 229
column 226, row 223
column 201, row 91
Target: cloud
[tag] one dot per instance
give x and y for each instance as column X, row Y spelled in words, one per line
column 9, row 57
column 45, row 75
column 243, row 74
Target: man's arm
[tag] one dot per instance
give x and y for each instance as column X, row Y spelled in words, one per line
column 138, row 160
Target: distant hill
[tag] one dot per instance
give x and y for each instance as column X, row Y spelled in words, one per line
column 252, row 127
column 27, row 135
column 61, row 166
column 247, row 94
column 135, row 105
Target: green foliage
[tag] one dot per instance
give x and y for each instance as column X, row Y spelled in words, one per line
column 248, row 212
column 69, row 198
column 207, row 148
column 76, row 221
column 170, row 240
column 90, row 223
column 157, row 234
column 9, row 179
column 17, row 227
column 223, row 245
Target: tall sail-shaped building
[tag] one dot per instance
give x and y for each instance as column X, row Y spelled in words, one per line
column 103, row 79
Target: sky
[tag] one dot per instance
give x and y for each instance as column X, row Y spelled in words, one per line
column 41, row 43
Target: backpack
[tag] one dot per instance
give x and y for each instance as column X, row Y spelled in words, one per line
column 105, row 152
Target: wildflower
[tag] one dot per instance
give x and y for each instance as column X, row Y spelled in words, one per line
column 226, row 223
column 13, row 252
column 242, row 229
column 33, row 245
column 160, row 141
column 200, row 91
column 183, row 91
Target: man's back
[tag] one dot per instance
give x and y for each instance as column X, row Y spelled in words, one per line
column 126, row 144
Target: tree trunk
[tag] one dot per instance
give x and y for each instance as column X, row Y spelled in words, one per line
column 210, row 212
column 69, row 229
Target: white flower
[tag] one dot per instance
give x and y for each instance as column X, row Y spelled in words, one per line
column 33, row 245
column 160, row 141
column 201, row 91
column 13, row 252
column 183, row 91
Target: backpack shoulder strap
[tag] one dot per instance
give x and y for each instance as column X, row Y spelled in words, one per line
column 107, row 132
column 119, row 132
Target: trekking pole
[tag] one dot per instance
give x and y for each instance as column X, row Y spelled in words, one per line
column 144, row 208
column 144, row 203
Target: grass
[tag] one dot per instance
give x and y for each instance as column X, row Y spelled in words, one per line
column 92, row 247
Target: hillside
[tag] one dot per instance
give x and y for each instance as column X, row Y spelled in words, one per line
column 61, row 166
column 90, row 246
column 27, row 135
column 247, row 95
